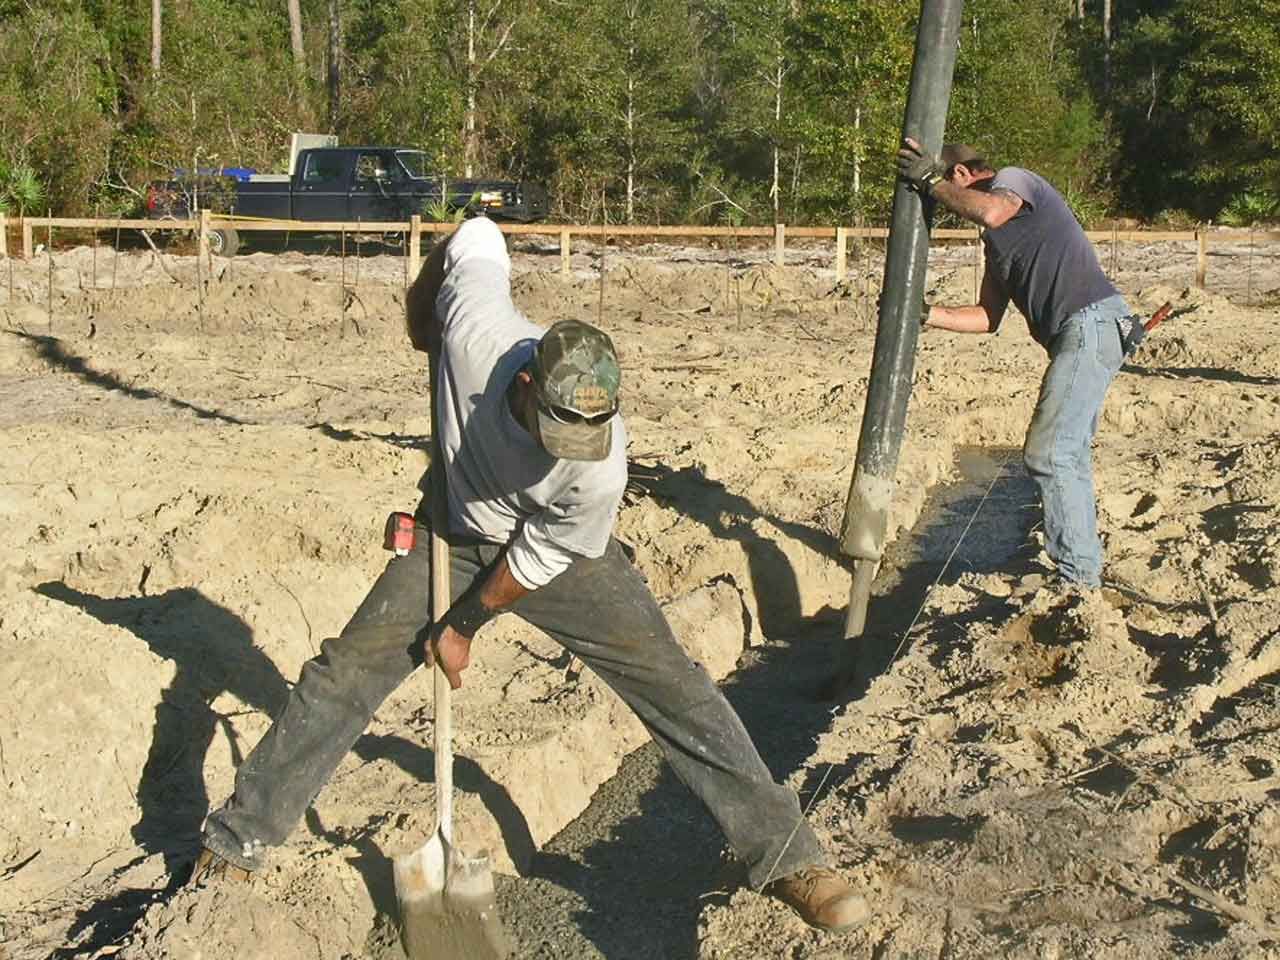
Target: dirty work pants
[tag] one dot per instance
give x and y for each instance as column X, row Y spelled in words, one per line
column 602, row 611
column 1083, row 360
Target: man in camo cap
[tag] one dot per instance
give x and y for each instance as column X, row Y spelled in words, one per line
column 534, row 454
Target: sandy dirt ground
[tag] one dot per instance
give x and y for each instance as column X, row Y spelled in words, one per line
column 195, row 466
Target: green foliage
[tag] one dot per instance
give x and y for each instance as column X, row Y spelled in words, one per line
column 1175, row 220
column 441, row 210
column 656, row 110
column 1090, row 207
column 1196, row 86
column 21, row 191
column 53, row 89
column 622, row 107
column 403, row 85
column 226, row 95
column 1020, row 99
column 854, row 67
column 1250, row 207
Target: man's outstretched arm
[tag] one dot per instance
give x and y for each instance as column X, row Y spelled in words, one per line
column 984, row 317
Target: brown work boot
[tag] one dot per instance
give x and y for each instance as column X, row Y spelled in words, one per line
column 210, row 866
column 822, row 899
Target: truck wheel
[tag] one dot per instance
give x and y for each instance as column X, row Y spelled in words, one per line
column 224, row 243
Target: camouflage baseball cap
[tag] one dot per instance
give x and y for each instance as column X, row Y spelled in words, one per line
column 576, row 376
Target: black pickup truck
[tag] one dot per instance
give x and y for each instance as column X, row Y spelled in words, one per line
column 331, row 184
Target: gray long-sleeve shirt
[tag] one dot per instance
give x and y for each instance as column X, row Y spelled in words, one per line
column 503, row 486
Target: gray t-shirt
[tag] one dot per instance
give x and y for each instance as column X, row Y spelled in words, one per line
column 1043, row 259
column 503, row 487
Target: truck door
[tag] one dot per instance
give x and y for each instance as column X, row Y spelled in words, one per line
column 321, row 190
column 377, row 187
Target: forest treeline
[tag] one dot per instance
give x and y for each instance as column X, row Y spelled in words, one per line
column 649, row 111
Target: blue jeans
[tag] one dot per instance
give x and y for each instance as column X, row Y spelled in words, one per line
column 1083, row 360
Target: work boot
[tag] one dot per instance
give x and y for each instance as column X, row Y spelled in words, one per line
column 822, row 899
column 210, row 866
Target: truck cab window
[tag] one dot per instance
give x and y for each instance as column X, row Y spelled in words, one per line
column 371, row 168
column 414, row 163
column 322, row 168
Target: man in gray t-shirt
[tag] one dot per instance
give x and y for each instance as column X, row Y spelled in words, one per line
column 1038, row 257
column 534, row 453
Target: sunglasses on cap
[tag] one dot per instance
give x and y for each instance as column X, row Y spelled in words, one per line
column 573, row 418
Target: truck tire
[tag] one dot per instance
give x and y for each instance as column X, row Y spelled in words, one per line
column 224, row 243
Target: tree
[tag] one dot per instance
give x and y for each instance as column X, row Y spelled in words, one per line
column 157, row 14
column 1020, row 95
column 295, row 35
column 228, row 95
column 1196, row 88
column 334, row 78
column 637, row 77
column 757, row 60
column 488, row 35
column 403, row 87
column 851, row 90
column 54, row 136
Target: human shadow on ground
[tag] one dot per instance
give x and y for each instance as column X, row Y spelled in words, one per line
column 730, row 516
column 1203, row 373
column 213, row 653
column 631, row 875
column 55, row 353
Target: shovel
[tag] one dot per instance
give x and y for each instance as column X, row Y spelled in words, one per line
column 447, row 905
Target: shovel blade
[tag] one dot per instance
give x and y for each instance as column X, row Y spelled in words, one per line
column 447, row 906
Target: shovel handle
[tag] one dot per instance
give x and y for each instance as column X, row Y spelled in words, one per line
column 443, row 694
column 441, row 597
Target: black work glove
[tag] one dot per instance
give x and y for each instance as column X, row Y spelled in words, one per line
column 920, row 169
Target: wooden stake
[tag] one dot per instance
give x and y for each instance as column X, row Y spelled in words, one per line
column 1202, row 257
column 866, row 287
column 28, row 243
column 115, row 261
column 4, row 236
column 977, row 265
column 604, row 247
column 48, row 249
column 415, row 247
column 94, row 300
column 565, row 261
column 200, row 247
column 737, row 279
column 842, row 234
column 1249, row 283
column 780, row 244
column 342, row 288
column 202, row 241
